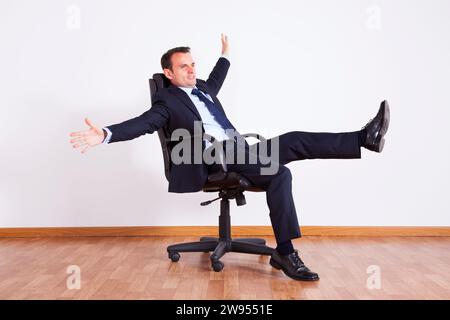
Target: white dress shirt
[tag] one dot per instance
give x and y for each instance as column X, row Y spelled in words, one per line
column 211, row 126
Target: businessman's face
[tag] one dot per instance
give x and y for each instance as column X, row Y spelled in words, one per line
column 183, row 70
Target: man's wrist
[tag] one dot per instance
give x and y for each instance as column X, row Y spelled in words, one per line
column 107, row 135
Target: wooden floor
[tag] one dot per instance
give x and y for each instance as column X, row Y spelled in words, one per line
column 138, row 268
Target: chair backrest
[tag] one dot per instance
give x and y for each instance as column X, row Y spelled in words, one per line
column 156, row 83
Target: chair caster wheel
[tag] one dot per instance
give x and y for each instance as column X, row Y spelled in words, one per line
column 217, row 266
column 174, row 256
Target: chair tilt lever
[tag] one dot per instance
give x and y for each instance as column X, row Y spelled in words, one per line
column 209, row 202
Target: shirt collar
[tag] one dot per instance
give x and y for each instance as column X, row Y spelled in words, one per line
column 187, row 89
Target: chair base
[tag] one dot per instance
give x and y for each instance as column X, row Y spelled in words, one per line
column 223, row 244
column 220, row 246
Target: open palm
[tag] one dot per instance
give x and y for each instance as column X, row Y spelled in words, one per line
column 87, row 138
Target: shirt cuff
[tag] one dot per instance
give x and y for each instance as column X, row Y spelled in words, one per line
column 226, row 56
column 108, row 135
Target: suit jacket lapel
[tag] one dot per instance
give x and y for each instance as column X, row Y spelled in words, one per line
column 181, row 95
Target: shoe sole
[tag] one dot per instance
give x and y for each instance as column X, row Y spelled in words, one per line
column 277, row 266
column 386, row 117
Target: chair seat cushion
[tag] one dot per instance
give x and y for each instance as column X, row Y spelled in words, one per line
column 230, row 180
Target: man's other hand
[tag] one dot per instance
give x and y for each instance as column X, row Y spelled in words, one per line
column 87, row 138
column 225, row 46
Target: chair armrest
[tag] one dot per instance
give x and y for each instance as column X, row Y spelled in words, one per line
column 218, row 146
column 254, row 135
column 221, row 174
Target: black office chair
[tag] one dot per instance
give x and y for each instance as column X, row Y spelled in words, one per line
column 230, row 185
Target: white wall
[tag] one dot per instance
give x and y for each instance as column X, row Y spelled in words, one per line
column 296, row 65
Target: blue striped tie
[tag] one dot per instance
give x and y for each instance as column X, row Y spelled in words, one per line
column 214, row 110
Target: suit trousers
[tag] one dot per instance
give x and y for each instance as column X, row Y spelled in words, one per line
column 292, row 146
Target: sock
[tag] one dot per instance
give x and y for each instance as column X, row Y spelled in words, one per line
column 362, row 137
column 285, row 248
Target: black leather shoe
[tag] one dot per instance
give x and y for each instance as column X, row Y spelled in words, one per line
column 376, row 128
column 292, row 266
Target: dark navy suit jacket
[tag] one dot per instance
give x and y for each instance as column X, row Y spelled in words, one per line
column 173, row 109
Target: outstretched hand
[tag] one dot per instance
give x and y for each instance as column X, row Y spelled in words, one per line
column 87, row 138
column 225, row 46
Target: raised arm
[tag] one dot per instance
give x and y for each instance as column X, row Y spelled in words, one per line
column 219, row 73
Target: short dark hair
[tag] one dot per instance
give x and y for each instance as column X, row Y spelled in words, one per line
column 166, row 59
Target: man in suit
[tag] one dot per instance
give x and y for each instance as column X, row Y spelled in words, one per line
column 189, row 100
